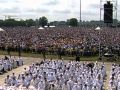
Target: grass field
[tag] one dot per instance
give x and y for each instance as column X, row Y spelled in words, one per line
column 33, row 55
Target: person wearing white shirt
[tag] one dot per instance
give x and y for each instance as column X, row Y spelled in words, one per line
column 112, row 86
column 41, row 85
column 70, row 84
column 94, row 87
column 8, row 80
column 1, row 68
column 65, row 86
column 85, row 87
column 14, row 82
column 118, row 86
column 20, row 61
column 25, row 83
column 51, row 77
column 76, row 87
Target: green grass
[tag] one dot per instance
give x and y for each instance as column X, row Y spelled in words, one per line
column 92, row 58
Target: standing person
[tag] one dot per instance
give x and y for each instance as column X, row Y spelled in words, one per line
column 59, row 52
column 44, row 53
column 70, row 84
column 65, row 86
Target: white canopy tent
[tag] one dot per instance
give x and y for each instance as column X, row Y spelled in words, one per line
column 51, row 26
column 40, row 28
column 2, row 30
column 98, row 28
column 45, row 26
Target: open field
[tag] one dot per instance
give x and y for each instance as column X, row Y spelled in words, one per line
column 30, row 60
column 33, row 55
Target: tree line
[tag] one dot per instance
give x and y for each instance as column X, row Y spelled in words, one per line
column 43, row 21
column 28, row 22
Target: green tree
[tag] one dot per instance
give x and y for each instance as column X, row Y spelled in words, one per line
column 30, row 22
column 21, row 23
column 72, row 22
column 9, row 22
column 43, row 21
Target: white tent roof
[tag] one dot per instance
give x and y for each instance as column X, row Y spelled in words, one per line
column 45, row 26
column 40, row 28
column 51, row 26
column 98, row 28
column 1, row 30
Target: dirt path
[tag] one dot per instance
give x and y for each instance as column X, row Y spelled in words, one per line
column 108, row 68
column 17, row 71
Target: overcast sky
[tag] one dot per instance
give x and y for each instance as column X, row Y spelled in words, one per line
column 52, row 9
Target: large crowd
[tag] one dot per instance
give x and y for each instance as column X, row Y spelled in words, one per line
column 68, row 39
column 9, row 63
column 114, row 82
column 59, row 75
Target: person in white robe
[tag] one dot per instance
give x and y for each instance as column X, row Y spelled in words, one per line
column 112, row 86
column 76, row 87
column 14, row 82
column 65, row 86
column 41, row 85
column 85, row 87
column 70, row 84
column 8, row 81
column 25, row 83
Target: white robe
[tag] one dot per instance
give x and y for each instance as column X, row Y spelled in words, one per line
column 41, row 85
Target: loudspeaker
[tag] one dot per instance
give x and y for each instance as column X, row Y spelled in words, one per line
column 108, row 12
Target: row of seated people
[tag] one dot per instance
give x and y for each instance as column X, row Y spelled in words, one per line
column 114, row 82
column 59, row 75
column 9, row 63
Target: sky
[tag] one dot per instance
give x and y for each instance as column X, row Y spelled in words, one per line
column 54, row 10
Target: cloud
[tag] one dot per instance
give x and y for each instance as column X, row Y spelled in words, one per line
column 10, row 10
column 62, row 11
column 42, row 10
column 53, row 9
column 94, row 6
column 51, row 2
column 38, row 10
column 8, row 1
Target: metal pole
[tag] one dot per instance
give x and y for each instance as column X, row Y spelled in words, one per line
column 100, row 26
column 100, row 9
column 99, row 45
column 116, row 12
column 80, row 13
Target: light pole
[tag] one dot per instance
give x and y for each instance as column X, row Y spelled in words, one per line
column 80, row 13
column 99, row 29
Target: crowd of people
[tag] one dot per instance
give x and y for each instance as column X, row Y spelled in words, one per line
column 59, row 75
column 9, row 63
column 114, row 82
column 69, row 39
